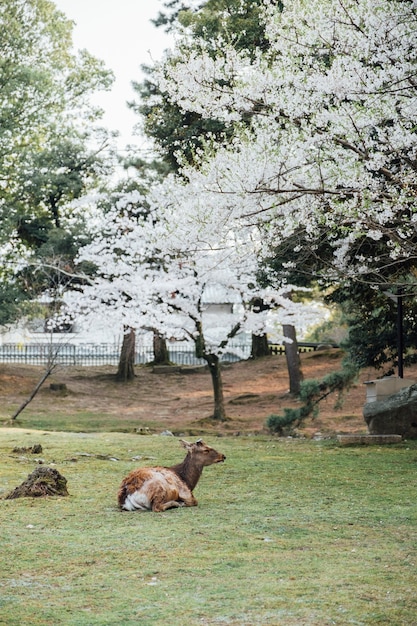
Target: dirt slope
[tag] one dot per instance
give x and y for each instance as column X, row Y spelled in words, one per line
column 181, row 399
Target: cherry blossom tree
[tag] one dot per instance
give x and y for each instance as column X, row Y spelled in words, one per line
column 331, row 150
column 154, row 268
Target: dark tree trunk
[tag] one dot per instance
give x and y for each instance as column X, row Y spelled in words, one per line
column 126, row 369
column 293, row 359
column 259, row 342
column 213, row 362
column 260, row 346
column 160, row 350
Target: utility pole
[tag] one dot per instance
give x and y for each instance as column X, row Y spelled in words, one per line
column 398, row 298
column 400, row 334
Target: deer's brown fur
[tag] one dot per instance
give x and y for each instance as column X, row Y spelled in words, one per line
column 161, row 488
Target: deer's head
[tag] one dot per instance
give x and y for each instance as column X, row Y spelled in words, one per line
column 203, row 454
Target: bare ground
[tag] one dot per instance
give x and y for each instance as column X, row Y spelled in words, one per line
column 180, row 399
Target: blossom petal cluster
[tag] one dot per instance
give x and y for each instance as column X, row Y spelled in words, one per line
column 327, row 119
column 157, row 269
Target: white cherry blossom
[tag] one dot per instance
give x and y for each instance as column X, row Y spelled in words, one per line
column 333, row 109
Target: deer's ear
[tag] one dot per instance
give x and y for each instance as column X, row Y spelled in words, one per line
column 185, row 444
column 200, row 442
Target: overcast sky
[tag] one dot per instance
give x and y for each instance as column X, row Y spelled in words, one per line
column 120, row 33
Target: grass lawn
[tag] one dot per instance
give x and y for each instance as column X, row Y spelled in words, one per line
column 286, row 532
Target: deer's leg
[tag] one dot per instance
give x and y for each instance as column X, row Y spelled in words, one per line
column 184, row 497
column 187, row 497
column 158, row 507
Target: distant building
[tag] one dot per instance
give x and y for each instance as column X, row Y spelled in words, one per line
column 220, row 307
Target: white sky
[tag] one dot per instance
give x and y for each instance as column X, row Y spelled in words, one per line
column 120, row 33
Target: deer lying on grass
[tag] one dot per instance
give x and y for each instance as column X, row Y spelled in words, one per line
column 161, row 488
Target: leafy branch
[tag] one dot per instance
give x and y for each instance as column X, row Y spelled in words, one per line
column 312, row 392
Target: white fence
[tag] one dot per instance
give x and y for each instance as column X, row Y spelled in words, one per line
column 103, row 354
column 90, row 354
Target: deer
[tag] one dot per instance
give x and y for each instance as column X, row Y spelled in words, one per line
column 160, row 488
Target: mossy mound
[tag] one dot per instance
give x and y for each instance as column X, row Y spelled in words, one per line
column 43, row 481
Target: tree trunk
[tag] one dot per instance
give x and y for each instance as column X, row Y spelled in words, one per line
column 293, row 359
column 260, row 346
column 126, row 369
column 213, row 362
column 259, row 342
column 160, row 350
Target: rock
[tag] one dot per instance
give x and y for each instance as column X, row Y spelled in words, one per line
column 193, row 369
column 396, row 415
column 368, row 440
column 35, row 449
column 165, row 369
column 43, row 481
column 143, row 430
column 245, row 398
column 59, row 388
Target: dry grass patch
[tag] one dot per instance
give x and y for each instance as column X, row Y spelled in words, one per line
column 177, row 401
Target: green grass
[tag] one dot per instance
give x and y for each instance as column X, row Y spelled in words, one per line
column 94, row 422
column 286, row 532
column 85, row 421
